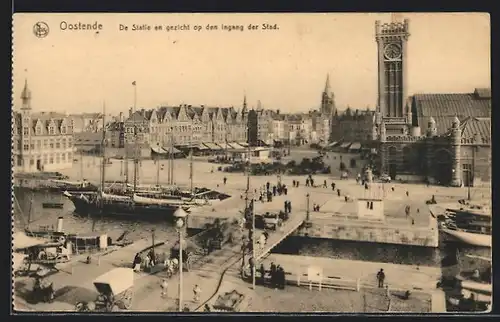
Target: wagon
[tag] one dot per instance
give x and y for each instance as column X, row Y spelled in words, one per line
column 115, row 290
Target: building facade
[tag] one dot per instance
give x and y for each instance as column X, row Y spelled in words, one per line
column 185, row 125
column 439, row 138
column 353, row 126
column 41, row 141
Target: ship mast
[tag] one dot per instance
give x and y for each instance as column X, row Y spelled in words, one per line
column 135, row 136
column 191, row 161
column 103, row 147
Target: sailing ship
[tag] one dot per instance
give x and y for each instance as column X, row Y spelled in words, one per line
column 469, row 226
column 135, row 203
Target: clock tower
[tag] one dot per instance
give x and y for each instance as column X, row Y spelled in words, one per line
column 392, row 41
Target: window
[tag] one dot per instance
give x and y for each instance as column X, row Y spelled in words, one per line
column 51, row 130
column 63, row 130
column 38, row 130
column 32, row 162
column 19, row 161
column 51, row 160
column 38, row 144
column 26, row 146
column 64, row 143
column 63, row 157
column 70, row 142
column 58, row 145
column 26, row 130
column 57, row 157
column 51, row 144
column 32, row 146
column 70, row 155
column 45, row 143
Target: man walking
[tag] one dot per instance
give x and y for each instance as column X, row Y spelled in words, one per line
column 164, row 287
column 381, row 278
column 196, row 293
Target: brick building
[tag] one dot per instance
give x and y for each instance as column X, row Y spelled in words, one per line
column 353, row 126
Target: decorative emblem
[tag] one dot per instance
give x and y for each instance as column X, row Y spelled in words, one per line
column 392, row 52
column 41, row 29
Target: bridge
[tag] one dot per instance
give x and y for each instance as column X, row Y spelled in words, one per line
column 276, row 237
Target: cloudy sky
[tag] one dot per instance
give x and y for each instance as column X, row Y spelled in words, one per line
column 75, row 71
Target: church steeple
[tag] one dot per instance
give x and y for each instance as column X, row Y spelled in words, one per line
column 26, row 96
column 327, row 89
column 244, row 109
column 327, row 99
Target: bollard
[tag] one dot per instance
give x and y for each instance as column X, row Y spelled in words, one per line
column 98, row 260
column 388, row 293
column 298, row 279
column 358, row 284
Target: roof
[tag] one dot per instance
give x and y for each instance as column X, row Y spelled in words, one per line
column 444, row 107
column 472, row 126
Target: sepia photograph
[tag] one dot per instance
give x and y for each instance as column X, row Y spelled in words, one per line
column 277, row 163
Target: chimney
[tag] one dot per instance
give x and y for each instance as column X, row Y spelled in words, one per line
column 143, row 112
column 120, row 117
column 278, row 112
column 130, row 112
column 59, row 225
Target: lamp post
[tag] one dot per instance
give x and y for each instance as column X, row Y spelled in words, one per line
column 180, row 215
column 307, row 211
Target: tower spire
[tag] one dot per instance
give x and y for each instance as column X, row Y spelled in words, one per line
column 327, row 84
column 26, row 95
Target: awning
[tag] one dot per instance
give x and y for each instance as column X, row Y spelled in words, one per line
column 201, row 146
column 21, row 240
column 236, row 146
column 158, row 150
column 212, row 146
column 171, row 149
column 355, row 146
column 345, row 145
column 225, row 146
column 332, row 144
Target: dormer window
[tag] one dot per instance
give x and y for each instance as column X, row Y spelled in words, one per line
column 38, row 130
column 51, row 130
column 26, row 130
column 63, row 129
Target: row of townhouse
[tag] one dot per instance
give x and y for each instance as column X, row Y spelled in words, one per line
column 185, row 125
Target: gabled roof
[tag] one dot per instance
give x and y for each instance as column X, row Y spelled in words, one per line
column 444, row 107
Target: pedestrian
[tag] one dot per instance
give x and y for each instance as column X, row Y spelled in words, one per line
column 262, row 271
column 407, row 193
column 273, row 275
column 164, row 287
column 289, row 206
column 225, row 180
column 307, row 182
column 297, row 184
column 338, row 192
column 366, row 186
column 137, row 263
column 274, row 191
column 267, row 186
column 206, row 308
column 293, row 183
column 392, row 188
column 311, row 182
column 285, row 190
column 324, row 184
column 381, row 278
column 278, row 277
column 196, row 293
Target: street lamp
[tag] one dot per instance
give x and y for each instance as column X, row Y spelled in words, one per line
column 307, row 212
column 180, row 215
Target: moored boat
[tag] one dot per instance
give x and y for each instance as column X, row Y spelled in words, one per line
column 471, row 226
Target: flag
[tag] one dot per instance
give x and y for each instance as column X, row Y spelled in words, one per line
column 133, row 83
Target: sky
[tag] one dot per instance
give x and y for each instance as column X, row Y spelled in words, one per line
column 78, row 71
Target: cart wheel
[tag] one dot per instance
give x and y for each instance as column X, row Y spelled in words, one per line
column 127, row 300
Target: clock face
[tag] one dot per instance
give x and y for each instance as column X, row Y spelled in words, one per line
column 392, row 51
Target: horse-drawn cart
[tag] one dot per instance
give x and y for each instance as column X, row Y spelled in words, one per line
column 115, row 290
